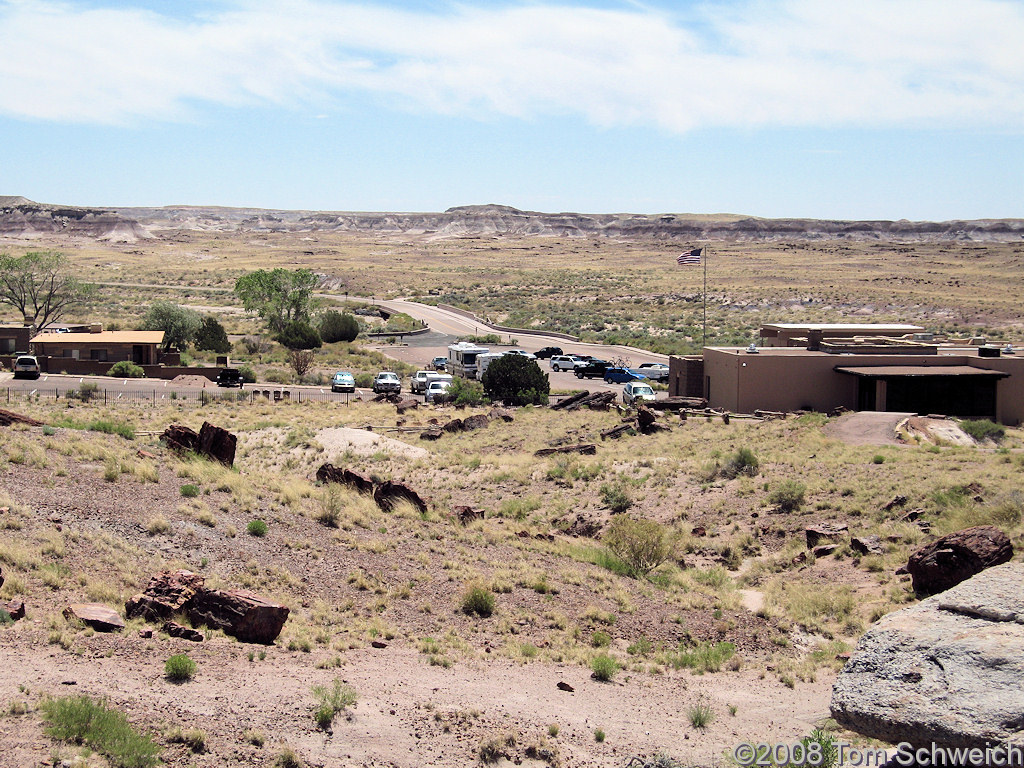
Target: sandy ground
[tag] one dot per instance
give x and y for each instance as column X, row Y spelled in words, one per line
column 365, row 443
column 866, row 428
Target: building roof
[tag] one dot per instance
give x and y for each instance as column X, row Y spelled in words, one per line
column 850, row 327
column 103, row 337
column 888, row 371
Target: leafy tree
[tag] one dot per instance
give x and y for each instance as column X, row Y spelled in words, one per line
column 212, row 336
column 278, row 296
column 299, row 334
column 40, row 285
column 179, row 324
column 338, row 326
column 516, row 380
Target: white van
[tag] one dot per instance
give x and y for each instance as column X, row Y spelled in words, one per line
column 26, row 367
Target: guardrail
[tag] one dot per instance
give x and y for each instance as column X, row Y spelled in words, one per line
column 195, row 397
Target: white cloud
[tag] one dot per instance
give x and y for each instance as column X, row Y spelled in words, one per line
column 745, row 63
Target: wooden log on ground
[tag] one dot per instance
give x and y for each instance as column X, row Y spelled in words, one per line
column 588, row 449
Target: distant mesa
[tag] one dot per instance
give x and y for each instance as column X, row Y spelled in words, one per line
column 24, row 219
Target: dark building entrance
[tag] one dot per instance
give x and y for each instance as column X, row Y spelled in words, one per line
column 953, row 390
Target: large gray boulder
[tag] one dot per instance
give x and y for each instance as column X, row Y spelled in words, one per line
column 948, row 670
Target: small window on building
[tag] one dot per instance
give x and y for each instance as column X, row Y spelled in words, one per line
column 7, row 346
column 98, row 354
column 68, row 353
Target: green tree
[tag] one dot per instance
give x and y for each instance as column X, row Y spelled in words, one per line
column 299, row 334
column 278, row 296
column 516, row 380
column 212, row 336
column 338, row 326
column 179, row 324
column 39, row 285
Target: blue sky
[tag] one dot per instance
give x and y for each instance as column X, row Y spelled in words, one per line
column 870, row 109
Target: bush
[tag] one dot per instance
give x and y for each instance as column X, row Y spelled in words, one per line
column 193, row 738
column 983, row 429
column 743, row 462
column 604, row 667
column 189, row 491
column 299, row 335
column 126, row 369
column 338, row 326
column 478, row 600
column 111, row 428
column 331, row 701
column 179, row 668
column 331, row 502
column 80, row 720
column 641, row 544
column 516, row 380
column 87, row 390
column 465, row 392
column 701, row 715
column 248, row 374
column 788, row 495
column 616, row 498
column 256, row 528
column 212, row 336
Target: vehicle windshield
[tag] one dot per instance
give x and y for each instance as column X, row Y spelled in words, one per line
column 388, row 376
column 643, row 390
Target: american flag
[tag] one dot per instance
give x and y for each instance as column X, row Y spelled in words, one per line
column 689, row 257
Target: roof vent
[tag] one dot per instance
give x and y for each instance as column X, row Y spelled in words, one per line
column 752, row 349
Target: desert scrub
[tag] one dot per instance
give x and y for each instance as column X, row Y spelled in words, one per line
column 189, row 490
column 603, row 667
column 983, row 429
column 125, row 369
column 701, row 657
column 179, row 668
column 479, row 600
column 256, row 528
column 743, row 462
column 641, row 544
column 816, row 608
column 616, row 497
column 700, row 715
column 331, row 503
column 193, row 738
column 332, row 700
column 80, row 720
column 788, row 495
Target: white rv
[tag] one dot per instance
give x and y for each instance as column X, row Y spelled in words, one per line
column 484, row 360
column 462, row 359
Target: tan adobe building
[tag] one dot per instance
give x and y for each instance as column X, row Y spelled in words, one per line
column 857, row 372
column 139, row 347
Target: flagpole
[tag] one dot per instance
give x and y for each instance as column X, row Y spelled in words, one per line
column 704, row 341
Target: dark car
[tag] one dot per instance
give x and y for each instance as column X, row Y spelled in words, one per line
column 546, row 352
column 622, row 375
column 595, row 369
column 229, row 377
column 439, row 363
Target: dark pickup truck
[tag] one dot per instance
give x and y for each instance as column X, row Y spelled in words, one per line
column 593, row 370
column 229, row 377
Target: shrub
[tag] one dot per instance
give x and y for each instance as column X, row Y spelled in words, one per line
column 331, row 701
column 301, row 360
column 465, row 392
column 111, row 428
column 248, row 374
column 331, row 502
column 256, row 528
column 189, row 491
column 703, row 657
column 193, row 738
column 604, row 667
column 212, row 336
column 516, row 380
column 616, row 498
column 599, row 735
column 288, row 758
column 126, row 369
column 701, row 715
column 80, row 720
column 338, row 326
column 743, row 462
column 600, row 639
column 983, row 429
column 87, row 390
column 299, row 335
column 479, row 600
column 5, row 617
column 878, row 459
column 788, row 495
column 179, row 668
column 641, row 544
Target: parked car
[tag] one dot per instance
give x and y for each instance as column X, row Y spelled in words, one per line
column 387, row 382
column 654, row 371
column 229, row 377
column 419, row 383
column 435, row 388
column 637, row 391
column 565, row 362
column 522, row 353
column 343, row 381
column 546, row 352
column 622, row 375
column 439, row 363
column 26, row 367
column 593, row 370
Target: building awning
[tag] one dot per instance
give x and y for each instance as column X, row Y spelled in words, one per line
column 906, row 371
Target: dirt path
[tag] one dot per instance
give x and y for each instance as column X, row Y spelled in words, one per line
column 866, row 428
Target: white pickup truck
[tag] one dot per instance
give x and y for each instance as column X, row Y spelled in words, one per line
column 420, row 380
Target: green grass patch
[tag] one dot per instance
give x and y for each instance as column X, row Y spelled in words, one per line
column 80, row 720
column 701, row 658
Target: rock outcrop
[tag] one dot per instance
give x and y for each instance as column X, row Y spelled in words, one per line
column 946, row 562
column 947, row 670
column 387, row 494
column 211, row 442
column 240, row 613
column 100, row 617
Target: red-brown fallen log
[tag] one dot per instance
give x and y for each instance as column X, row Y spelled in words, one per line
column 328, row 473
column 569, row 400
column 678, row 403
column 10, row 417
column 584, row 448
column 618, row 431
column 387, row 494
